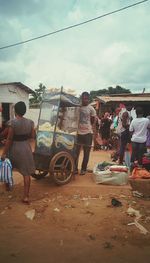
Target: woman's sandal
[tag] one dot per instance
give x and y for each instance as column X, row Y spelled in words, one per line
column 8, row 187
column 26, row 202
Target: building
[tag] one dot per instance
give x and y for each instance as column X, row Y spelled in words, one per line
column 110, row 103
column 11, row 93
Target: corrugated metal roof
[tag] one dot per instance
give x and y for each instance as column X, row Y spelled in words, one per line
column 128, row 95
column 128, row 98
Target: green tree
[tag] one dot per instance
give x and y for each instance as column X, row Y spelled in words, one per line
column 36, row 98
column 118, row 90
column 109, row 91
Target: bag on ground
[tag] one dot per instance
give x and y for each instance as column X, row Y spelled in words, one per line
column 113, row 175
column 6, row 172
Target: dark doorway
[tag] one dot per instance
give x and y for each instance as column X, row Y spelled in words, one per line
column 145, row 106
column 5, row 113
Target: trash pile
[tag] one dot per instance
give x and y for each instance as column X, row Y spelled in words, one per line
column 110, row 174
column 135, row 213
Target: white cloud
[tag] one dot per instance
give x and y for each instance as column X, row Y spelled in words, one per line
column 75, row 15
column 113, row 50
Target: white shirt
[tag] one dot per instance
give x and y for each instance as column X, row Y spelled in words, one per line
column 86, row 112
column 133, row 113
column 120, row 128
column 139, row 128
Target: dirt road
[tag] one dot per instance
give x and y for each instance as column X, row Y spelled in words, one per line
column 73, row 223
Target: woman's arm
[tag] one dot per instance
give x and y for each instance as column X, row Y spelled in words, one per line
column 33, row 133
column 8, row 142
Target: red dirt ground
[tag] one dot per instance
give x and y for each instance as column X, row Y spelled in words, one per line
column 83, row 228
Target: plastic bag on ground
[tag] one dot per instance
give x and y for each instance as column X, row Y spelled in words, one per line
column 6, row 172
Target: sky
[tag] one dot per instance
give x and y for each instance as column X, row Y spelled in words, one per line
column 114, row 50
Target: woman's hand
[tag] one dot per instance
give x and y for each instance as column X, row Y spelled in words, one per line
column 3, row 157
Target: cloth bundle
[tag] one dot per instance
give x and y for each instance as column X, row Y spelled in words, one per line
column 110, row 174
column 140, row 173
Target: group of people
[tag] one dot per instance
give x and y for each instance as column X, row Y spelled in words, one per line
column 131, row 129
column 133, row 132
column 20, row 129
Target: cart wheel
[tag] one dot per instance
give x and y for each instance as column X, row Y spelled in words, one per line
column 39, row 174
column 62, row 167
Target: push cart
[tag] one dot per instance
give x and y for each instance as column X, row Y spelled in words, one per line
column 55, row 147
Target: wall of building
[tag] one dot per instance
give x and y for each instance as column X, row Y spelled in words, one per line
column 33, row 114
column 9, row 95
column 12, row 94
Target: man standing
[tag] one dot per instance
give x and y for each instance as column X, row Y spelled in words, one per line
column 85, row 132
column 138, row 128
column 124, row 120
